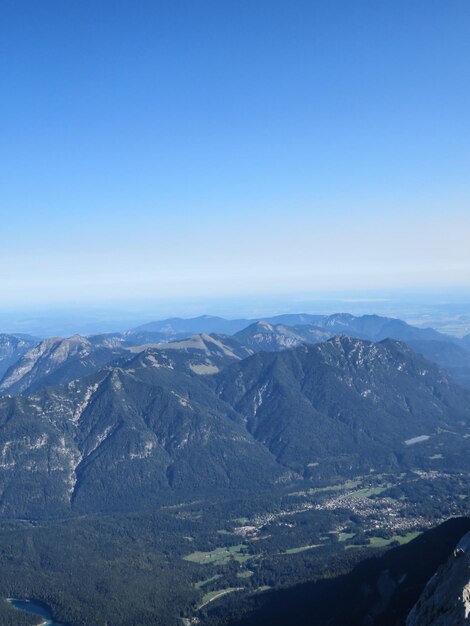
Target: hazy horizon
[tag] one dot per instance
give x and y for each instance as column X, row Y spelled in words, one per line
column 448, row 310
column 222, row 150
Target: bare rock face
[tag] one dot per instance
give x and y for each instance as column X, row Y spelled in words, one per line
column 55, row 362
column 445, row 600
column 12, row 348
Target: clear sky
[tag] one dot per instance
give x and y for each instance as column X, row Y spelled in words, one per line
column 232, row 147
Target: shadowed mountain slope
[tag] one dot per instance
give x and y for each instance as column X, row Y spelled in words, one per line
column 121, row 439
column 343, row 401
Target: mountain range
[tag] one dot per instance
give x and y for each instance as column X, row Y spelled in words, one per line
column 26, row 365
column 177, row 327
column 129, row 434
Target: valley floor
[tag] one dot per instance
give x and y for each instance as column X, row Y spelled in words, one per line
column 187, row 561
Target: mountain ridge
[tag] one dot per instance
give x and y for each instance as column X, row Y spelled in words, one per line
column 320, row 411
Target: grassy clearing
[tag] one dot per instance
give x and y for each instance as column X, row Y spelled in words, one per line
column 213, row 595
column 380, row 542
column 246, row 574
column 243, row 558
column 206, row 581
column 370, row 491
column 402, row 539
column 348, row 484
column 345, row 536
column 300, row 549
column 219, row 555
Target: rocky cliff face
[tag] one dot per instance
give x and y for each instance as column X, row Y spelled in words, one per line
column 12, row 348
column 445, row 600
column 55, row 361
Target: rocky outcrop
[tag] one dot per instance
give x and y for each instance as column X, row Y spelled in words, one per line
column 445, row 600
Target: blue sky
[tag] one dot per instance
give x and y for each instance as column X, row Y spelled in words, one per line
column 232, row 148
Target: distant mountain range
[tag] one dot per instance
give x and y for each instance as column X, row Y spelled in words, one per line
column 26, row 366
column 212, row 324
column 284, row 331
column 287, row 331
column 367, row 326
column 177, row 327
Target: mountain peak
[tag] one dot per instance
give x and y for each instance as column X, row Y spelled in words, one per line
column 264, row 325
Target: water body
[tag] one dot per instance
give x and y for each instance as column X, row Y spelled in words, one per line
column 37, row 608
column 411, row 442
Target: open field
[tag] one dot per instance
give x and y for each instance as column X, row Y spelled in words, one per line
column 206, row 581
column 220, row 555
column 370, row 491
column 344, row 486
column 381, row 542
column 213, row 595
column 300, row 549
